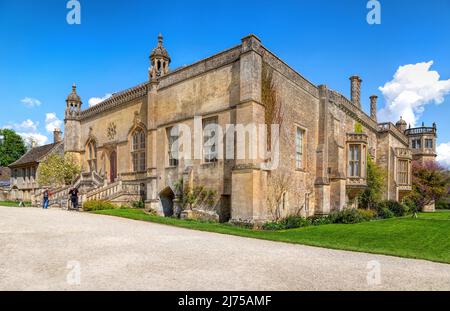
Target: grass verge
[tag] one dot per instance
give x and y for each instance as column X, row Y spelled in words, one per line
column 422, row 238
column 13, row 203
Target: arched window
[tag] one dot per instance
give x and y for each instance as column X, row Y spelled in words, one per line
column 138, row 151
column 92, row 155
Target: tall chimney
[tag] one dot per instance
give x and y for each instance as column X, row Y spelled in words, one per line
column 373, row 107
column 57, row 135
column 355, row 90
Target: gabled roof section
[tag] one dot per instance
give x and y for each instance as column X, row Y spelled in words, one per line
column 35, row 155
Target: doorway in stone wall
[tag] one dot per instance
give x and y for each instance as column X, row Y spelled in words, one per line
column 113, row 166
column 167, row 196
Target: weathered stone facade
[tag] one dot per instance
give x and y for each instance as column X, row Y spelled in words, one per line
column 324, row 138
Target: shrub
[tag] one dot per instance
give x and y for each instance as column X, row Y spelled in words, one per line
column 410, row 204
column 395, row 207
column 347, row 216
column 295, row 222
column 272, row 226
column 138, row 204
column 350, row 216
column 443, row 203
column 290, row 222
column 385, row 213
column 367, row 214
column 97, row 206
column 320, row 220
column 372, row 195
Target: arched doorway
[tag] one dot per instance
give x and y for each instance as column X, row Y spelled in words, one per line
column 113, row 166
column 167, row 196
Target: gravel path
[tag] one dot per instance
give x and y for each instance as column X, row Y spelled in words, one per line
column 42, row 250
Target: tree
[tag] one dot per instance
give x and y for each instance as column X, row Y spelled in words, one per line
column 11, row 148
column 375, row 182
column 430, row 183
column 58, row 170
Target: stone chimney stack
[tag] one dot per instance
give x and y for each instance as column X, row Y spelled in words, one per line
column 33, row 143
column 373, row 107
column 57, row 135
column 355, row 90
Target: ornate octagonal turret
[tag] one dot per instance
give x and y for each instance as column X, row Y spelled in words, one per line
column 159, row 60
column 73, row 103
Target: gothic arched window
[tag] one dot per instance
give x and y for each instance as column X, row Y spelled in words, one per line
column 92, row 155
column 138, row 151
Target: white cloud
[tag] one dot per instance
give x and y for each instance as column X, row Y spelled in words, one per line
column 412, row 87
column 27, row 125
column 28, row 130
column 443, row 152
column 36, row 137
column 31, row 102
column 52, row 122
column 97, row 100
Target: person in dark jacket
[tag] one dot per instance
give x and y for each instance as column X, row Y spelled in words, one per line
column 73, row 193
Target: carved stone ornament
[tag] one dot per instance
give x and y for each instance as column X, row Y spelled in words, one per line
column 111, row 131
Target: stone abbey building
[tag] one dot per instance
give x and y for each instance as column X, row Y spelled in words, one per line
column 123, row 144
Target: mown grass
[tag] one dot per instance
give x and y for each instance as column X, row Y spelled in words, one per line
column 425, row 237
column 13, row 203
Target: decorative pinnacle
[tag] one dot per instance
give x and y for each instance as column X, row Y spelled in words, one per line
column 74, row 88
column 160, row 39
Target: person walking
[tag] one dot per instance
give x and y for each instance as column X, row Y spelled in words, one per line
column 74, row 198
column 46, row 198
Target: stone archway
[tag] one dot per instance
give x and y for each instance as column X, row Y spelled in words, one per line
column 167, row 196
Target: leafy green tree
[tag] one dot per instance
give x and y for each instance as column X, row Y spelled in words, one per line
column 12, row 147
column 373, row 194
column 58, row 170
column 430, row 183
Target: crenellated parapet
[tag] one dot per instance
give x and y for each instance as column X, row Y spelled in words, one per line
column 116, row 100
column 392, row 129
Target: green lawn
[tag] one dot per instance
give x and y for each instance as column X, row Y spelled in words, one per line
column 427, row 237
column 13, row 203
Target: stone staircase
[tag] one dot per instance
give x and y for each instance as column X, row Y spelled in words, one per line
column 92, row 186
column 117, row 192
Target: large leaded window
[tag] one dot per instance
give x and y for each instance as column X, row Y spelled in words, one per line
column 172, row 140
column 429, row 143
column 210, row 140
column 354, row 161
column 416, row 143
column 299, row 138
column 403, row 178
column 138, row 151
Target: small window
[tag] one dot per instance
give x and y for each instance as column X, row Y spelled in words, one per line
column 172, row 139
column 354, row 164
column 210, row 140
column 299, row 138
column 429, row 143
column 403, row 172
column 416, row 143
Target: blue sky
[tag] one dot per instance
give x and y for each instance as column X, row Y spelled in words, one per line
column 326, row 41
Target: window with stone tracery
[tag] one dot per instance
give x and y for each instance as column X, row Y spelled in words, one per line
column 138, row 154
column 172, row 140
column 403, row 176
column 92, row 155
column 354, row 161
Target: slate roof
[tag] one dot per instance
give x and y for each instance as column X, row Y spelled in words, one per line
column 34, row 155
